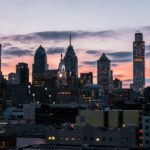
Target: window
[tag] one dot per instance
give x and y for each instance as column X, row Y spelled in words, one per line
column 146, row 121
column 104, row 139
column 116, row 139
column 146, row 127
column 67, row 138
column 125, row 139
column 146, row 142
column 146, row 134
column 85, row 138
column 110, row 139
column 82, row 119
column 91, row 138
column 61, row 138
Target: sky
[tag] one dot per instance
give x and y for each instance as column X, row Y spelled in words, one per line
column 96, row 26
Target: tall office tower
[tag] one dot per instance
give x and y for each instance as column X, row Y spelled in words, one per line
column 40, row 63
column 0, row 58
column 71, row 65
column 22, row 73
column 138, row 63
column 86, row 78
column 1, row 75
column 104, row 74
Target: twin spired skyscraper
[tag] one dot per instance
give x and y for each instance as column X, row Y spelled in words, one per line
column 70, row 63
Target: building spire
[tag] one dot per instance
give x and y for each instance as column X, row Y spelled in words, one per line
column 70, row 39
column 61, row 56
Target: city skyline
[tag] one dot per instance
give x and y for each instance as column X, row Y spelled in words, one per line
column 95, row 27
column 118, row 58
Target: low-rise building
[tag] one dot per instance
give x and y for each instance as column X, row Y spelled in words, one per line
column 96, row 137
column 109, row 118
column 145, row 138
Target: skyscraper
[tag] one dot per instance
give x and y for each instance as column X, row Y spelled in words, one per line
column 0, row 58
column 138, row 63
column 22, row 73
column 40, row 62
column 71, row 64
column 1, row 75
column 104, row 74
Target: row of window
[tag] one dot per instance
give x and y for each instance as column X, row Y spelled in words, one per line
column 97, row 139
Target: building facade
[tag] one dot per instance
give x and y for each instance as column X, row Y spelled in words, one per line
column 138, row 63
column 40, row 65
column 104, row 74
column 71, row 65
column 145, row 137
column 117, row 84
column 61, row 74
column 86, row 78
column 22, row 73
column 12, row 79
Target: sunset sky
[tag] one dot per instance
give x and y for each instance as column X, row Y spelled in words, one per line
column 96, row 26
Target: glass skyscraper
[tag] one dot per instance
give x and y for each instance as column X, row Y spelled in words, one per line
column 104, row 74
column 138, row 63
column 40, row 62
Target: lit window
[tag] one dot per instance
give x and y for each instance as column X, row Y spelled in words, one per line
column 123, row 125
column 67, row 138
column 49, row 138
column 72, row 139
column 97, row 139
column 53, row 138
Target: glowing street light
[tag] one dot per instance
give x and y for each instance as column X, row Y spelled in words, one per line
column 33, row 97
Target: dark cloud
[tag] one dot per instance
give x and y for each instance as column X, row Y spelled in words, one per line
column 147, row 54
column 59, row 35
column 5, row 64
column 55, row 50
column 118, row 55
column 128, row 80
column 15, row 51
column 91, row 63
column 146, row 27
column 6, row 45
column 22, row 38
column 115, row 57
column 121, row 60
column 147, row 47
column 114, row 65
column 93, row 52
column 119, row 76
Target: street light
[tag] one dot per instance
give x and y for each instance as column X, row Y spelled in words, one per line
column 49, row 98
column 33, row 97
column 29, row 87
